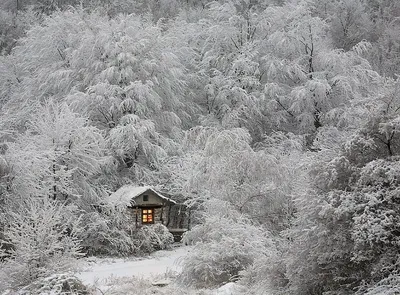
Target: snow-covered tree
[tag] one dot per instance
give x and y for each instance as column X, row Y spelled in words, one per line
column 43, row 235
column 345, row 235
column 268, row 117
column 56, row 156
column 224, row 246
column 222, row 165
column 124, row 74
column 350, row 23
column 229, row 47
column 307, row 80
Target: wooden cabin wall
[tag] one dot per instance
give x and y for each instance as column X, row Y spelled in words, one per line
column 131, row 214
column 160, row 215
column 153, row 199
column 173, row 216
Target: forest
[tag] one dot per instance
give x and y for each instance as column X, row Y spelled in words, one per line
column 277, row 121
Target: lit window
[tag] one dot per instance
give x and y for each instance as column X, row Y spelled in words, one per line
column 147, row 216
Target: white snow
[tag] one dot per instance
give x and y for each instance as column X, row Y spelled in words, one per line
column 104, row 273
column 228, row 289
column 157, row 264
column 127, row 193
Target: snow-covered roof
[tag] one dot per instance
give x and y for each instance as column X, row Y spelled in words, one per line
column 127, row 193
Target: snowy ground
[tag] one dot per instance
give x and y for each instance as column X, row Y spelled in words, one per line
column 159, row 263
column 121, row 276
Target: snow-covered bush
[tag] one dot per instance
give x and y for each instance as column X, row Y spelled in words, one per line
column 387, row 286
column 56, row 284
column 44, row 241
column 13, row 26
column 107, row 233
column 223, row 248
column 110, row 232
column 346, row 232
column 152, row 238
column 267, row 274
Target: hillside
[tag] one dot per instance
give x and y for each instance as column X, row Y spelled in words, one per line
column 275, row 123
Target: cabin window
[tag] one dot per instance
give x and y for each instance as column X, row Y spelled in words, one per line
column 147, row 216
column 145, row 198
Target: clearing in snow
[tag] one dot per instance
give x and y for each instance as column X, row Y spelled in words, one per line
column 154, row 273
column 157, row 264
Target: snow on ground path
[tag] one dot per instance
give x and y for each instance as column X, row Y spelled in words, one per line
column 157, row 264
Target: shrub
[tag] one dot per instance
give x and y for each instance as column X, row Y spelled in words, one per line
column 223, row 248
column 43, row 241
column 267, row 274
column 107, row 233
column 388, row 286
column 152, row 238
column 56, row 284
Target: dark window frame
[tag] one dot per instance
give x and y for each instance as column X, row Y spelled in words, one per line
column 145, row 198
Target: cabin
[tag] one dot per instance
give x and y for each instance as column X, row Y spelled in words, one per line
column 146, row 206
